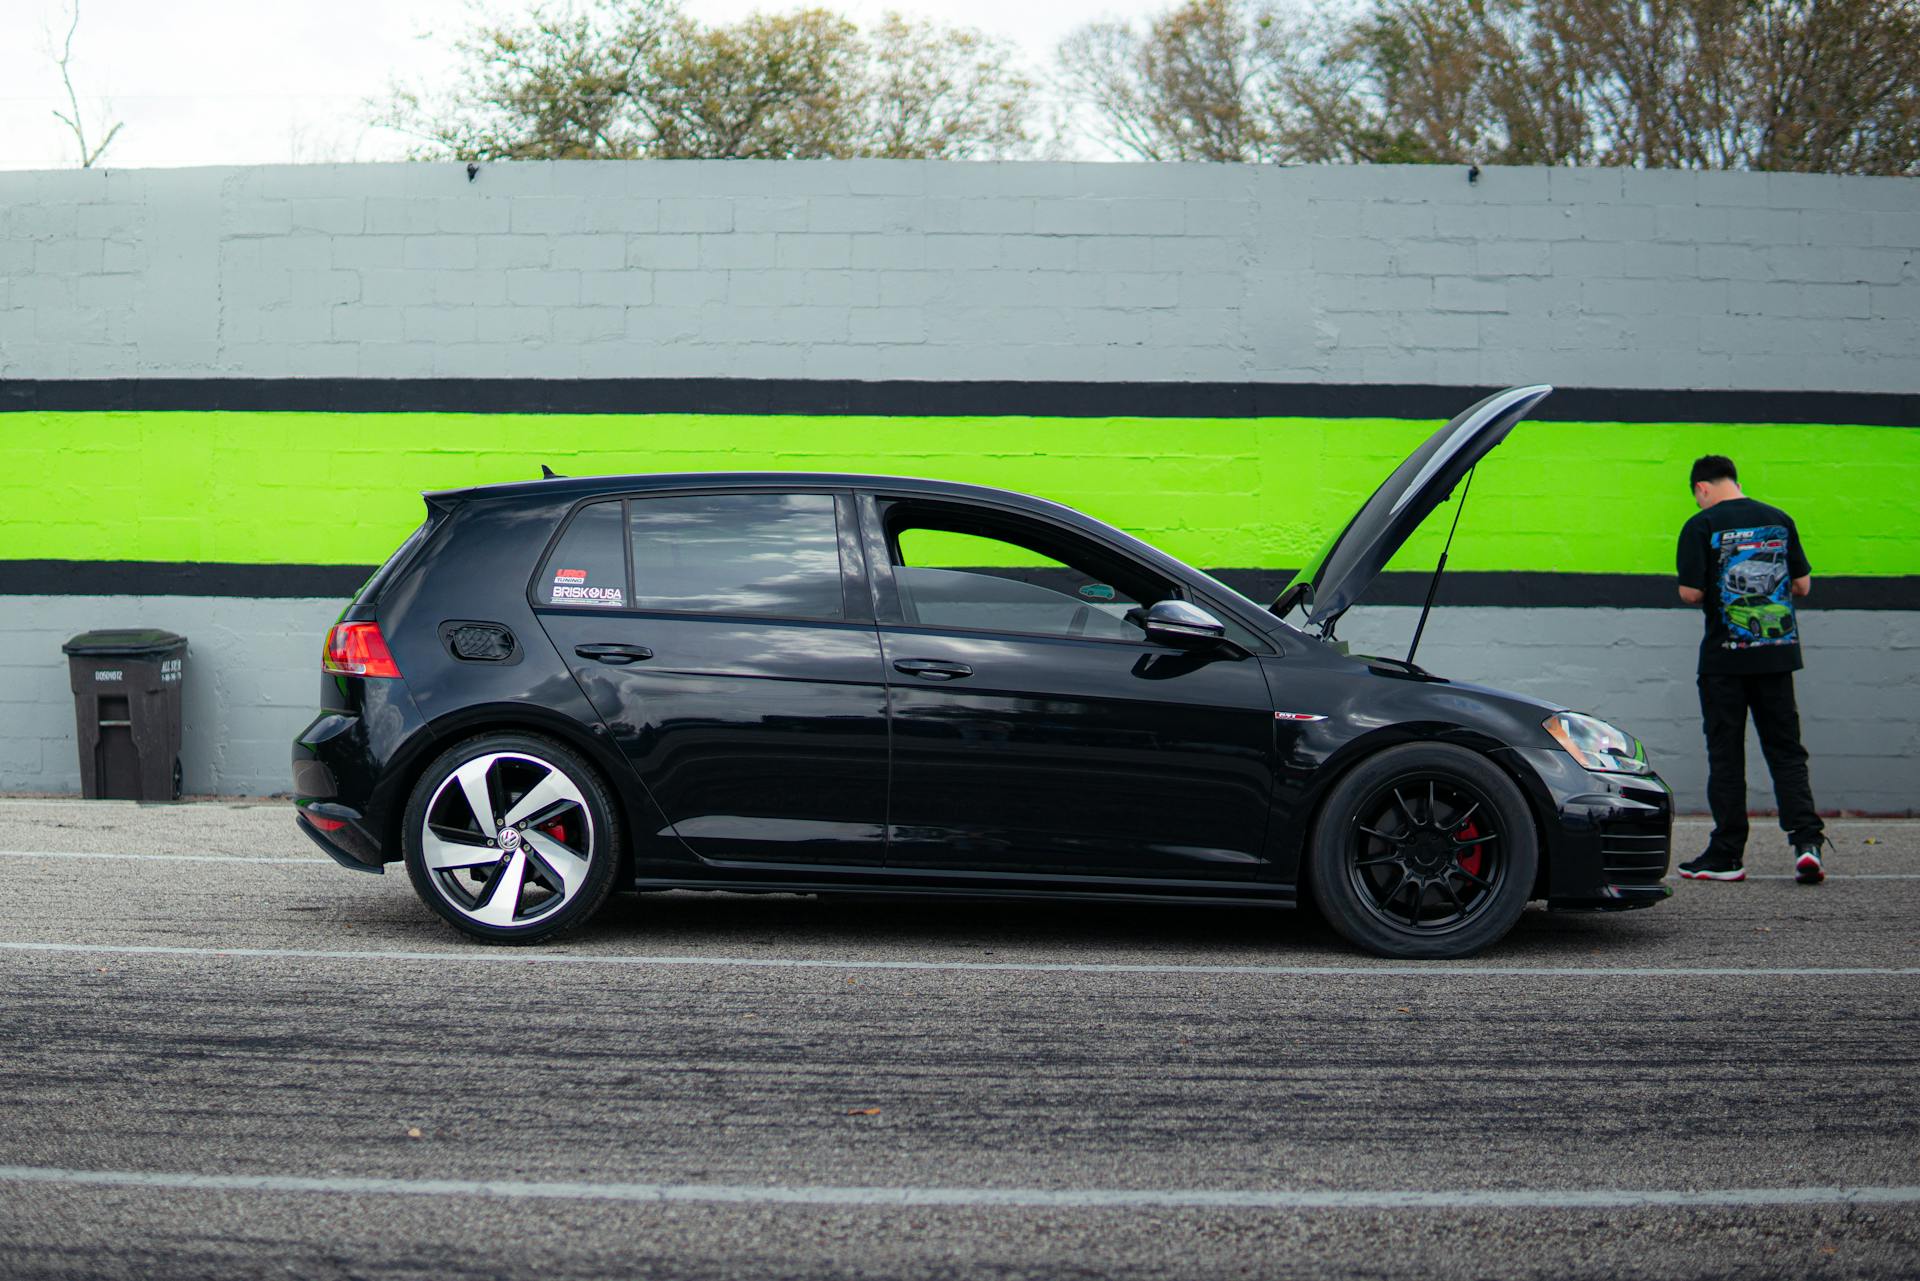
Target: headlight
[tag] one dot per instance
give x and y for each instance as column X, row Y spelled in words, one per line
column 1598, row 745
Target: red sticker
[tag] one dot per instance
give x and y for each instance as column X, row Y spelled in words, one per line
column 569, row 575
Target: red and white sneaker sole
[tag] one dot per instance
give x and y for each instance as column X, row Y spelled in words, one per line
column 1739, row 875
column 1808, row 870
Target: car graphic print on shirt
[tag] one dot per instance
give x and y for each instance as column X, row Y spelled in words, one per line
column 1755, row 594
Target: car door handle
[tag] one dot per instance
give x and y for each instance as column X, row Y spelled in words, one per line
column 932, row 669
column 616, row 654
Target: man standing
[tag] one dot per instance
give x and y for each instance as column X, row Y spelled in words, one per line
column 1742, row 562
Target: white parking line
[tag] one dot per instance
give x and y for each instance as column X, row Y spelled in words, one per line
column 1430, row 969
column 1036, row 1198
column 316, row 859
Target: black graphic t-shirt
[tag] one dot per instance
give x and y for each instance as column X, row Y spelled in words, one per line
column 1744, row 555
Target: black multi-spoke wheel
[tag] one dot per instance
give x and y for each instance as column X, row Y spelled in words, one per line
column 1424, row 851
column 510, row 838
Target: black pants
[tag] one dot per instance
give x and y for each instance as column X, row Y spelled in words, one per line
column 1725, row 702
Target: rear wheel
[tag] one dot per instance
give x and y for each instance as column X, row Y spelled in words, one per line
column 511, row 838
column 1424, row 851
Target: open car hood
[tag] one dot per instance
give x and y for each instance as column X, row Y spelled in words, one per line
column 1354, row 557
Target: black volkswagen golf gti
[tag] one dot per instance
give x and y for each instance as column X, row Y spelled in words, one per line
column 837, row 683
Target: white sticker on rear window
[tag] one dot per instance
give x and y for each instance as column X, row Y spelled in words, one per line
column 589, row 595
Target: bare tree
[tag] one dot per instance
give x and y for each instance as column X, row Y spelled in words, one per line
column 1191, row 87
column 1830, row 85
column 76, row 121
column 558, row 84
column 767, row 88
column 629, row 78
column 1762, row 84
column 944, row 93
column 1434, row 81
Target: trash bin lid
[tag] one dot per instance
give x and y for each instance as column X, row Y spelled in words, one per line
column 124, row 642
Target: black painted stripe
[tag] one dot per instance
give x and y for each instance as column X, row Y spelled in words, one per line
column 932, row 398
column 178, row 578
column 1516, row 588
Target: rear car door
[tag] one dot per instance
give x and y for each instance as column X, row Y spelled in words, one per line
column 726, row 640
column 1035, row 730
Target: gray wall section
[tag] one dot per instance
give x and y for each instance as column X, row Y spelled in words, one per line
column 253, row 677
column 252, row 683
column 928, row 270
column 1859, row 695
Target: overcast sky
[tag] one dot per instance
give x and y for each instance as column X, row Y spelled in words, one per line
column 205, row 82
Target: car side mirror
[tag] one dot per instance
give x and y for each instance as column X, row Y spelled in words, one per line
column 1179, row 624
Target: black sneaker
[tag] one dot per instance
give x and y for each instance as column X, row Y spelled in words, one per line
column 1807, row 868
column 1714, row 867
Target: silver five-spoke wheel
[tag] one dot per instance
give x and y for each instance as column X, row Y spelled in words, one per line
column 507, row 836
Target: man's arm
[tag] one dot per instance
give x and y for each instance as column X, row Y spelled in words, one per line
column 1797, row 563
column 1690, row 562
column 1693, row 595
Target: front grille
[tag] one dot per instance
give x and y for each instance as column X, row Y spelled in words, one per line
column 1631, row 855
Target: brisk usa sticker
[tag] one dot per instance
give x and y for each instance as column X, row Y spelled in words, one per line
column 570, row 587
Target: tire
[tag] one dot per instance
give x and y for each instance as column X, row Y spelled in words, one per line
column 1424, row 852
column 559, row 860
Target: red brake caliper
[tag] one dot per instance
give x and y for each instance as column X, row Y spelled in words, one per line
column 558, row 831
column 1471, row 859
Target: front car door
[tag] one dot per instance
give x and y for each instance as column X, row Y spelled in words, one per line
column 1035, row 730
column 726, row 639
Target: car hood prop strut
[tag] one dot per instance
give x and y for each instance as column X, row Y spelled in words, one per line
column 1433, row 584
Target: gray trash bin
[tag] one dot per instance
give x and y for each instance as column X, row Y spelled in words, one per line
column 126, row 706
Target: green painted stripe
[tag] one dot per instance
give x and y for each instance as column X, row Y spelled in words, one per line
column 261, row 488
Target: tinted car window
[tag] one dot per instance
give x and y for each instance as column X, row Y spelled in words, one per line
column 775, row 554
column 589, row 565
column 950, row 579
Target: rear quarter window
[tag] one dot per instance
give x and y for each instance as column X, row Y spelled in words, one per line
column 588, row 566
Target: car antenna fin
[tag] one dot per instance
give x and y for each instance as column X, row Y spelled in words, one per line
column 1433, row 584
column 548, row 473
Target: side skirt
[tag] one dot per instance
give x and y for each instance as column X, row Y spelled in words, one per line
column 903, row 883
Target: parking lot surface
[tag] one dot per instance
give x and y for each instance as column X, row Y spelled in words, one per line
column 224, row 1056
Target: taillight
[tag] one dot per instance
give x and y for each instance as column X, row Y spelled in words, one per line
column 358, row 649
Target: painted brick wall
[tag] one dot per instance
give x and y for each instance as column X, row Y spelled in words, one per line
column 253, row 674
column 951, row 271
column 943, row 271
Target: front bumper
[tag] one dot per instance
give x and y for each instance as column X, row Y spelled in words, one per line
column 1608, row 837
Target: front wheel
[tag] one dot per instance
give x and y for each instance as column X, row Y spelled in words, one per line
column 511, row 838
column 1425, row 851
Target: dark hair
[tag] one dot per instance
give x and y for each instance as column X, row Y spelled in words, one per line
column 1713, row 467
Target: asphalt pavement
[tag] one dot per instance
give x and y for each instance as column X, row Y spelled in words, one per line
column 221, row 1055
